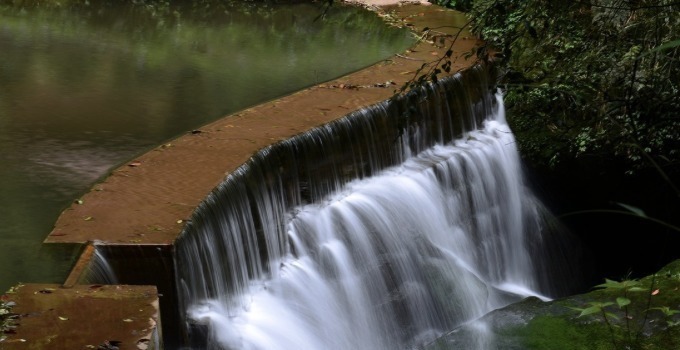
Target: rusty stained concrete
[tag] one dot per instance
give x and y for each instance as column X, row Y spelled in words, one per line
column 84, row 317
column 148, row 201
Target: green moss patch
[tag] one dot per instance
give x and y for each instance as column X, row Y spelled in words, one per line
column 556, row 333
column 637, row 314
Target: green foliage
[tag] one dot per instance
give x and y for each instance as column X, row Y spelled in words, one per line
column 668, row 314
column 589, row 78
column 627, row 317
column 601, row 320
column 7, row 318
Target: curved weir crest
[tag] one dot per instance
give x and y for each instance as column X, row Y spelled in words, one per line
column 381, row 230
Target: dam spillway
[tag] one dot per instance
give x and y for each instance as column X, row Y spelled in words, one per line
column 380, row 230
column 137, row 212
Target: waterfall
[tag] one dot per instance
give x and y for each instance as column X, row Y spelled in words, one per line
column 381, row 230
column 98, row 269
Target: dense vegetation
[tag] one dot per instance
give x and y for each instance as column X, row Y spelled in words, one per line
column 596, row 79
column 587, row 78
column 590, row 79
column 592, row 90
column 632, row 314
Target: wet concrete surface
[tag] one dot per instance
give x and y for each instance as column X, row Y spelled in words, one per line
column 148, row 200
column 84, row 317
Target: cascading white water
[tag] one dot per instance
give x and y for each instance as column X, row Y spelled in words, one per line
column 99, row 269
column 389, row 261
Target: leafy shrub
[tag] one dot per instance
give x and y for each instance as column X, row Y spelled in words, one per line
column 589, row 78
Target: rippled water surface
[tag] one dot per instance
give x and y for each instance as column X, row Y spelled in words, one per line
column 83, row 89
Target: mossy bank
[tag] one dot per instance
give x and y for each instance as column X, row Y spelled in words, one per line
column 637, row 314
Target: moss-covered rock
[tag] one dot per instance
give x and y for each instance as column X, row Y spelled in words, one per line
column 635, row 315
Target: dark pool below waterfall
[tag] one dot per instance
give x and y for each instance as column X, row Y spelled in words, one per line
column 84, row 89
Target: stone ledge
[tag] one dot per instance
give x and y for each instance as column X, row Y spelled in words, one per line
column 148, row 200
column 536, row 325
column 85, row 317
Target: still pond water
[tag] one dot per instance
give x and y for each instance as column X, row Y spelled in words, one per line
column 83, row 90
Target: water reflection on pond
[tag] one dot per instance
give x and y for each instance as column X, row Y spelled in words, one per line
column 84, row 89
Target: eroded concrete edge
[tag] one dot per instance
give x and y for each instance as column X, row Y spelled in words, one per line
column 148, row 200
column 145, row 203
column 84, row 317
